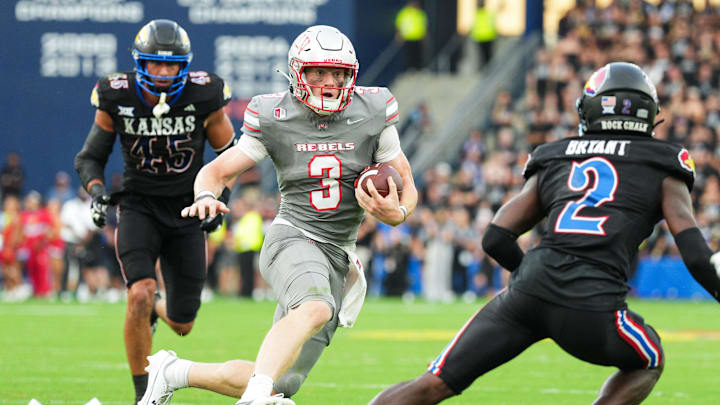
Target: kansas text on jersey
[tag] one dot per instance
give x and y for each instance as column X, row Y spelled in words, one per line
column 161, row 155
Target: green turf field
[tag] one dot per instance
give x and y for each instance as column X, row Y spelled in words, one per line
column 68, row 353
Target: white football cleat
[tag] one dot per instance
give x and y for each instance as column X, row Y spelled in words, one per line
column 276, row 399
column 158, row 392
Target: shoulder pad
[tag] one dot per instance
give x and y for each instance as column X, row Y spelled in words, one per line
column 264, row 109
column 380, row 102
column 208, row 89
column 542, row 154
column 94, row 97
column 112, row 87
column 207, row 83
column 201, row 78
column 251, row 119
column 117, row 81
column 117, row 76
column 669, row 156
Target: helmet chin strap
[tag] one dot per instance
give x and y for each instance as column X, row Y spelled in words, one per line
column 162, row 107
column 287, row 76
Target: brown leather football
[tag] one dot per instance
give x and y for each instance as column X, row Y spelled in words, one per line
column 378, row 173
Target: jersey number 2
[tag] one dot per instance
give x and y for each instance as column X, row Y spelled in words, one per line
column 329, row 167
column 600, row 190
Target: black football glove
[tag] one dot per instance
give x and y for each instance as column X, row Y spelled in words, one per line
column 99, row 205
column 210, row 224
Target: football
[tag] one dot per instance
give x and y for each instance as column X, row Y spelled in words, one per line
column 378, row 173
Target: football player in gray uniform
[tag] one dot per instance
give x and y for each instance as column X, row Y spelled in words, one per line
column 320, row 135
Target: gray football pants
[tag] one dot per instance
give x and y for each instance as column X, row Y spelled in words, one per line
column 300, row 269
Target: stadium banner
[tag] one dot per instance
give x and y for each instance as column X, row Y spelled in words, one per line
column 55, row 50
column 665, row 277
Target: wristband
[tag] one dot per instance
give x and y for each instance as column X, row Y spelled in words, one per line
column 404, row 211
column 96, row 190
column 205, row 194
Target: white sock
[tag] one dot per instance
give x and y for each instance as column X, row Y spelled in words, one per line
column 259, row 385
column 176, row 373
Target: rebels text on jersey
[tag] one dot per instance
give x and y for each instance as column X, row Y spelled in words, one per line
column 602, row 198
column 317, row 160
column 161, row 155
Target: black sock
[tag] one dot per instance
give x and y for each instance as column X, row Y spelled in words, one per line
column 140, row 382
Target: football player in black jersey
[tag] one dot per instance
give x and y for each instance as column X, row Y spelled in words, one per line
column 163, row 113
column 602, row 193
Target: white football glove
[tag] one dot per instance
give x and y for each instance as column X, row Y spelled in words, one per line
column 715, row 260
column 98, row 208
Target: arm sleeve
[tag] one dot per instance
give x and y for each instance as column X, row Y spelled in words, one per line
column 233, row 140
column 388, row 145
column 90, row 161
column 501, row 245
column 696, row 255
column 252, row 147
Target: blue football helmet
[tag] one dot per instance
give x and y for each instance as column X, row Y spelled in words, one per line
column 165, row 41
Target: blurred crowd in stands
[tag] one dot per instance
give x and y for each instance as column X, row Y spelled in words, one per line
column 51, row 248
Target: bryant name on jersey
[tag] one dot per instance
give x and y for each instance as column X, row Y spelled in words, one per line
column 600, row 147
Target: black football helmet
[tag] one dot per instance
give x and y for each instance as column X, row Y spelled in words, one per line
column 618, row 98
column 162, row 40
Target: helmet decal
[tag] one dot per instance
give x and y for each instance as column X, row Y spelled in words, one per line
column 143, row 36
column 300, row 44
column 608, row 104
column 596, row 81
column 626, row 106
column 184, row 38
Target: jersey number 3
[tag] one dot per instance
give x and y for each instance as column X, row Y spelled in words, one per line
column 600, row 190
column 329, row 168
